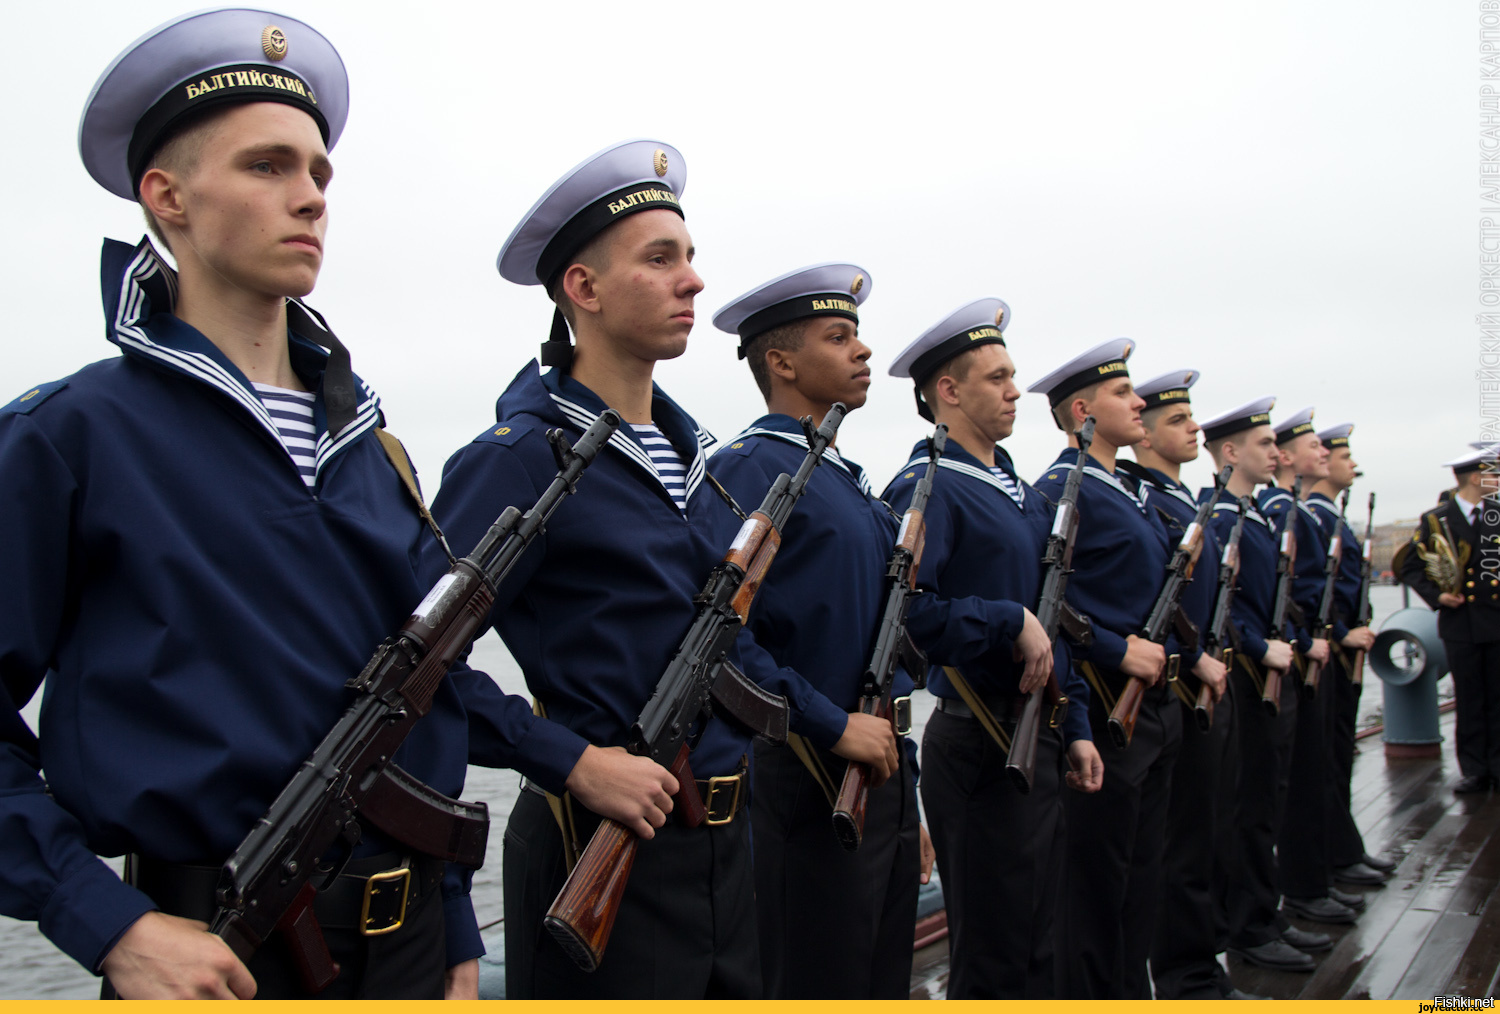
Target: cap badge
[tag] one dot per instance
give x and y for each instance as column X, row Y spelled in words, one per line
column 659, row 162
column 1000, row 317
column 273, row 41
column 856, row 285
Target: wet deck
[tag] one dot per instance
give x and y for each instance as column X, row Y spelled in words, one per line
column 1431, row 930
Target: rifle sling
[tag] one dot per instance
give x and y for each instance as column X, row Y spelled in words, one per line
column 1098, row 686
column 401, row 462
column 562, row 809
column 808, row 755
column 981, row 710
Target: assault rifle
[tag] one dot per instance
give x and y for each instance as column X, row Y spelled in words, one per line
column 699, row 679
column 272, row 879
column 1167, row 617
column 1055, row 615
column 892, row 644
column 1219, row 638
column 1286, row 564
column 1335, row 556
column 1362, row 604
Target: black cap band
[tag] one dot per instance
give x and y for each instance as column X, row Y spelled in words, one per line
column 1230, row 427
column 822, row 304
column 1078, row 381
column 238, row 83
column 597, row 217
column 1293, row 433
column 1171, row 396
column 928, row 363
column 1333, row 442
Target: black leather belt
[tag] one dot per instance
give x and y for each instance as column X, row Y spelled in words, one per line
column 372, row 894
column 1003, row 708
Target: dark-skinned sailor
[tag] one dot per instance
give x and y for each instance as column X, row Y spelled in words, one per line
column 204, row 540
column 595, row 611
column 1351, row 863
column 833, row 924
column 1184, row 961
column 997, row 849
column 1302, row 831
column 1115, row 838
column 1244, row 438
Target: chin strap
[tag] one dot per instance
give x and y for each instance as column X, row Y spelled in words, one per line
column 922, row 407
column 557, row 350
column 340, row 399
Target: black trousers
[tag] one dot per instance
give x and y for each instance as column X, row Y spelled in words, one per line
column 1113, row 857
column 686, row 926
column 833, row 924
column 1302, row 837
column 1265, row 758
column 998, row 858
column 1184, row 953
column 407, row 964
column 1346, row 846
column 1476, row 688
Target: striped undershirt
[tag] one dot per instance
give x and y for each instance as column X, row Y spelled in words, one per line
column 292, row 412
column 1009, row 485
column 670, row 467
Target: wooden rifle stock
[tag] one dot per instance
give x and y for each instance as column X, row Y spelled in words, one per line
column 1127, row 709
column 854, row 792
column 1203, row 709
column 1270, row 694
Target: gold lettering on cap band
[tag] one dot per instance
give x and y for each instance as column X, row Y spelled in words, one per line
column 842, row 305
column 273, row 41
column 1114, row 367
column 642, row 197
column 1176, row 394
column 983, row 332
column 248, row 79
column 1299, row 429
column 1259, row 419
column 659, row 162
column 1338, row 442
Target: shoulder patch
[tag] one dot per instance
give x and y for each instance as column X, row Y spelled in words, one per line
column 32, row 398
column 740, row 448
column 505, row 433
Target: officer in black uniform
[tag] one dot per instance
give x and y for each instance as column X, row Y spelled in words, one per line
column 1468, row 608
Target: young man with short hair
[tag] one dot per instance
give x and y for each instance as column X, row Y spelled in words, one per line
column 209, row 541
column 1115, row 838
column 1468, row 618
column 998, row 849
column 833, row 924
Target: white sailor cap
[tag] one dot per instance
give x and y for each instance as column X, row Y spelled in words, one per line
column 1294, row 425
column 604, row 188
column 822, row 290
column 982, row 322
column 1237, row 420
column 1336, row 436
column 201, row 61
column 1480, row 445
column 1167, row 389
column 1101, row 362
column 1484, row 457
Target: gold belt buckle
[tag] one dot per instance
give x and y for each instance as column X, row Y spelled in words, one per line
column 901, row 715
column 1058, row 713
column 1173, row 661
column 714, row 785
column 381, row 893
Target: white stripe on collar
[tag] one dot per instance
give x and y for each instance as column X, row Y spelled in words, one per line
column 798, row 440
column 1109, row 480
column 583, row 419
column 1234, row 508
column 127, row 327
column 983, row 475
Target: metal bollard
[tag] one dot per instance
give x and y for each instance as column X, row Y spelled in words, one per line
column 1409, row 659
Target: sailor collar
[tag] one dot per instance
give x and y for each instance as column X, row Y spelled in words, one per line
column 1165, row 484
column 779, row 426
column 1229, row 502
column 581, row 407
column 959, row 461
column 1093, row 468
column 140, row 292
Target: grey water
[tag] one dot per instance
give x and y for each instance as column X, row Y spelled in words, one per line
column 32, row 969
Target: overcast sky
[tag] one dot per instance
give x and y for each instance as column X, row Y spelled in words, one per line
column 1282, row 195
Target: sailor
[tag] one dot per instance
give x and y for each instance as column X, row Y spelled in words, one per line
column 1184, row 962
column 206, row 540
column 1254, row 930
column 594, row 615
column 1351, row 863
column 833, row 924
column 1303, row 868
column 1115, row 838
column 1456, row 542
column 997, row 848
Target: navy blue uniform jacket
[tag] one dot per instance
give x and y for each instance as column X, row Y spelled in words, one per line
column 1255, row 589
column 816, row 613
column 1119, row 564
column 1174, row 507
column 983, row 563
column 1346, row 585
column 595, row 610
column 194, row 607
column 1312, row 549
